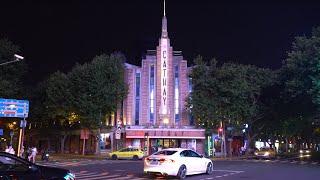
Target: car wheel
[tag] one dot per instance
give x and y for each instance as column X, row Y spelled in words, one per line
column 209, row 169
column 135, row 157
column 182, row 173
column 114, row 157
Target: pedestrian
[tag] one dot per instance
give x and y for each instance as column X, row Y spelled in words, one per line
column 10, row 150
column 34, row 154
column 22, row 151
column 6, row 149
column 29, row 153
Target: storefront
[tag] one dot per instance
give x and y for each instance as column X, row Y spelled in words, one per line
column 153, row 140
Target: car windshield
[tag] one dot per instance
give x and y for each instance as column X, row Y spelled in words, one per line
column 165, row 152
column 265, row 149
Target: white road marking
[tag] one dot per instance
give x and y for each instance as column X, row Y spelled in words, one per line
column 228, row 171
column 98, row 176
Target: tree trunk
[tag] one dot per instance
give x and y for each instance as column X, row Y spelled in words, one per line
column 63, row 139
column 97, row 142
column 287, row 145
column 248, row 145
column 49, row 144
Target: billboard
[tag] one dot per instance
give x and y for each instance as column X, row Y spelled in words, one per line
column 14, row 108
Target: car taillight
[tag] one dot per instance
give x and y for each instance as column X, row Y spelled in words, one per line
column 166, row 160
column 146, row 159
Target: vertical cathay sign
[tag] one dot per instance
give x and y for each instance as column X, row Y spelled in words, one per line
column 164, row 76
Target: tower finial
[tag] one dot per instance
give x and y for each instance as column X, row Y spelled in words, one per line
column 164, row 7
column 164, row 33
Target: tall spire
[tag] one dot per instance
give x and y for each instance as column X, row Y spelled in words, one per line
column 164, row 33
column 164, row 7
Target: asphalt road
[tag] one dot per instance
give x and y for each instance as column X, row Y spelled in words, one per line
column 224, row 170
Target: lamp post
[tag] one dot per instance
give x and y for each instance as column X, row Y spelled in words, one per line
column 17, row 58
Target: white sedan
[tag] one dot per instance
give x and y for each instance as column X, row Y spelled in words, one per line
column 177, row 162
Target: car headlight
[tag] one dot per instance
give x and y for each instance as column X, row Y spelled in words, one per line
column 301, row 151
column 70, row 176
column 255, row 153
column 307, row 151
column 266, row 153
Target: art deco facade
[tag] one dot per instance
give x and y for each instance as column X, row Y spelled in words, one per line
column 154, row 113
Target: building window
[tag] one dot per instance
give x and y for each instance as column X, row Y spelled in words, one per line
column 151, row 94
column 176, row 94
column 190, row 117
column 137, row 102
column 190, row 85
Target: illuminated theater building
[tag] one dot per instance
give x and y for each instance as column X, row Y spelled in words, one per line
column 154, row 113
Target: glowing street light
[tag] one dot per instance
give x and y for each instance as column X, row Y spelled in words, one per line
column 17, row 58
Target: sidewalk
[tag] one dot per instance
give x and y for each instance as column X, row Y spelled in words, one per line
column 58, row 157
column 232, row 158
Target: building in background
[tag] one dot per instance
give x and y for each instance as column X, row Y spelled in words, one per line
column 154, row 113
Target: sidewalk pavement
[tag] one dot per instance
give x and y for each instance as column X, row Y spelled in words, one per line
column 58, row 157
column 232, row 158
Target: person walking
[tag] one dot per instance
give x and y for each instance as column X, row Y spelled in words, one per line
column 33, row 154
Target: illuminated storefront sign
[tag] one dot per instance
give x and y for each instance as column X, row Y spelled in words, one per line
column 164, row 75
column 158, row 133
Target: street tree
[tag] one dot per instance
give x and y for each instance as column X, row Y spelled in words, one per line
column 97, row 88
column 300, row 78
column 229, row 93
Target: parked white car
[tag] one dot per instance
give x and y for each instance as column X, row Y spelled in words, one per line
column 177, row 162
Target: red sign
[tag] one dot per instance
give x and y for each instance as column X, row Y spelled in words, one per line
column 84, row 134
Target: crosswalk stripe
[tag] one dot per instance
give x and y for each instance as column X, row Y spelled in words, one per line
column 98, row 176
column 79, row 176
column 121, row 178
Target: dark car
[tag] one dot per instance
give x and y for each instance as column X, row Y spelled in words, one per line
column 13, row 167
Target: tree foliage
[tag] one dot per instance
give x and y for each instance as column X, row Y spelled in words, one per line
column 89, row 92
column 228, row 93
column 97, row 88
column 11, row 75
column 300, row 80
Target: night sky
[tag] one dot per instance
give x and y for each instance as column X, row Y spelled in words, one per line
column 55, row 35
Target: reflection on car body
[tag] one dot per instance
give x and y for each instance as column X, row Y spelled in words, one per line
column 14, row 167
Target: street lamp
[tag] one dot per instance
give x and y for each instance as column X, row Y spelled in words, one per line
column 16, row 59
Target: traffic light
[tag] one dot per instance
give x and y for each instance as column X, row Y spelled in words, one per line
column 220, row 130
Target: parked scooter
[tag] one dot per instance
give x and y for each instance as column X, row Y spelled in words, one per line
column 45, row 156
